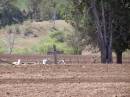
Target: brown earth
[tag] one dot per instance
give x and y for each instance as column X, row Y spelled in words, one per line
column 88, row 80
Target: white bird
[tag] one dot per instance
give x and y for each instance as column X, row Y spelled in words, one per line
column 17, row 63
column 61, row 62
column 44, row 61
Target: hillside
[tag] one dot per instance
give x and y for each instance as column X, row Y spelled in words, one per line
column 30, row 34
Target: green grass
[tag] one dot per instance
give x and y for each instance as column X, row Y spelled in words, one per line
column 22, row 51
column 2, row 48
column 46, row 44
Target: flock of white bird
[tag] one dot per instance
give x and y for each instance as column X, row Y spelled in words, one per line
column 44, row 62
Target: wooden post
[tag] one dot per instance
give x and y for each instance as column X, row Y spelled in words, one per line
column 55, row 54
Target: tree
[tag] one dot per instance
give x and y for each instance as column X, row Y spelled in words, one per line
column 40, row 10
column 75, row 17
column 101, row 16
column 10, row 37
column 34, row 9
column 121, row 31
column 9, row 14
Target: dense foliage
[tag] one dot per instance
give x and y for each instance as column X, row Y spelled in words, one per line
column 107, row 20
column 9, row 14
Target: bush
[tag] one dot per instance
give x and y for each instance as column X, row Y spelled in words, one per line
column 59, row 36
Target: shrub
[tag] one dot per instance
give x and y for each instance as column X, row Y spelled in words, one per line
column 59, row 36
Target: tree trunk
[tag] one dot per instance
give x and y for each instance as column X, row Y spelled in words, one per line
column 103, row 53
column 55, row 54
column 104, row 35
column 110, row 36
column 106, row 54
column 109, row 55
column 119, row 57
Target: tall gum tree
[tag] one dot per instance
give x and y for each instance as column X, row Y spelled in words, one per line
column 102, row 14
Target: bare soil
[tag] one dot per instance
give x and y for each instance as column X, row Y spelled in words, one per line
column 88, row 80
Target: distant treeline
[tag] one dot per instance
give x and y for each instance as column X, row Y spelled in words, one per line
column 37, row 10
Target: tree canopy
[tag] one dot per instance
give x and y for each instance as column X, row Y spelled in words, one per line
column 121, row 30
column 10, row 14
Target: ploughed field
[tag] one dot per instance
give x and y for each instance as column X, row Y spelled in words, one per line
column 85, row 80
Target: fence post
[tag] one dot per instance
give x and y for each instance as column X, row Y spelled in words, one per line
column 55, row 54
